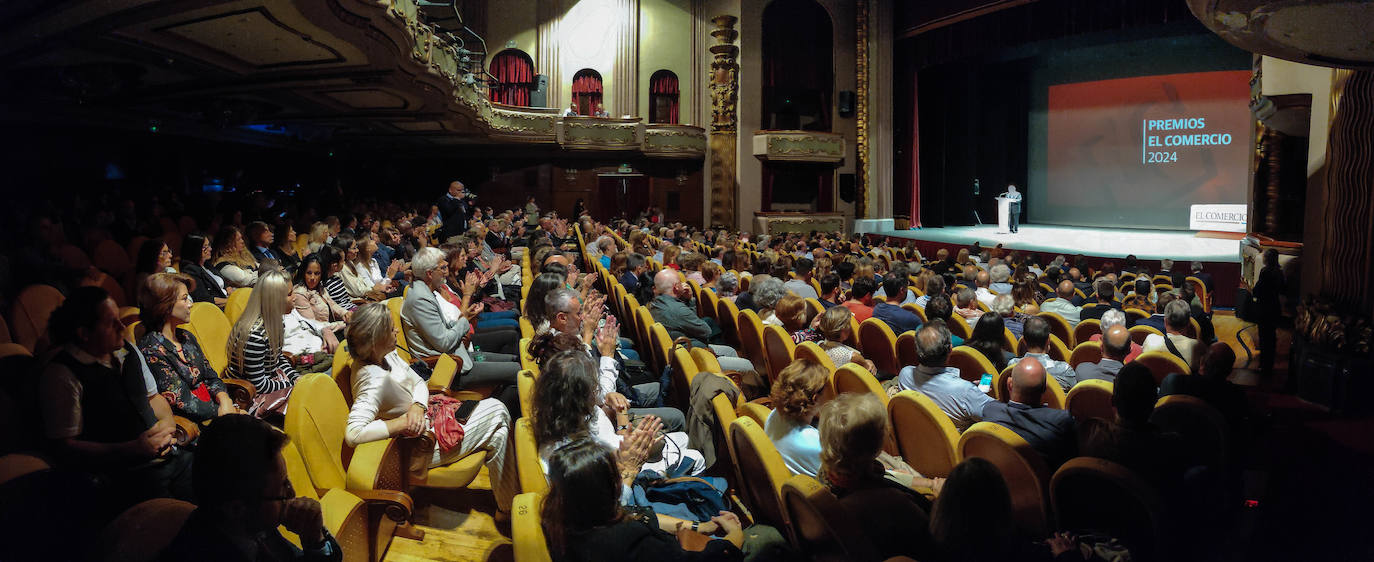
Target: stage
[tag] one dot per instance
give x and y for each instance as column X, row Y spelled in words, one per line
column 1220, row 256
column 1178, row 245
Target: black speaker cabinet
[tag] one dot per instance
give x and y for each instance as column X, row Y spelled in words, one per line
column 540, row 96
column 846, row 103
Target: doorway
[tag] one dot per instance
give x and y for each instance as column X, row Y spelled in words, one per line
column 623, row 195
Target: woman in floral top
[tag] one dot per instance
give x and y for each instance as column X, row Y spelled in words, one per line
column 183, row 375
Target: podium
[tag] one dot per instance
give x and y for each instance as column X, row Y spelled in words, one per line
column 1004, row 214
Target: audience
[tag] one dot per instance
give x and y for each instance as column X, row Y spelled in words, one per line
column 959, row 399
column 391, row 400
column 1176, row 317
column 1049, row 431
column 796, row 399
column 1116, row 317
column 893, row 517
column 1037, row 341
column 256, row 345
column 309, row 296
column 765, row 292
column 830, row 291
column 971, row 520
column 1116, row 346
column 860, row 301
column 801, row 284
column 891, row 312
column 989, row 337
column 232, row 260
column 835, row 327
column 1131, row 440
column 207, row 285
column 103, row 414
column 244, row 498
column 1212, row 386
column 183, row 375
column 1063, row 304
column 433, row 326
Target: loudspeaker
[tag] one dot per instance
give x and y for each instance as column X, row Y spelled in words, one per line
column 847, row 183
column 540, row 96
column 846, row 103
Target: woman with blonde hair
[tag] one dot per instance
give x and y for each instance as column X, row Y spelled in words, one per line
column 670, row 254
column 834, row 327
column 319, row 236
column 255, row 344
column 391, row 400
column 232, row 259
column 796, row 398
column 791, row 311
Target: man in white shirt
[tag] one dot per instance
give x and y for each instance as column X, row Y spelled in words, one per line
column 1063, row 305
column 982, row 280
column 958, row 398
column 801, row 285
column 1176, row 316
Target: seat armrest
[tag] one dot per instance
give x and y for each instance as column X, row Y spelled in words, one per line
column 398, row 506
column 445, row 369
column 376, row 465
column 186, row 431
column 241, row 392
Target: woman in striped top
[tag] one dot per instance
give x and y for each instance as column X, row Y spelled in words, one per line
column 332, row 261
column 255, row 345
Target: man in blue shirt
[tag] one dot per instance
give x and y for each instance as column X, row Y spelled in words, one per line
column 959, row 399
column 891, row 312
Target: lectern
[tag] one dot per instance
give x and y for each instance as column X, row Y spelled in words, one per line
column 1004, row 214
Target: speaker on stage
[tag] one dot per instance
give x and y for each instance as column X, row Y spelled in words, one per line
column 846, row 103
column 540, row 96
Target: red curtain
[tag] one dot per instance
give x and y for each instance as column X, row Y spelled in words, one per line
column 514, row 72
column 586, row 91
column 663, row 86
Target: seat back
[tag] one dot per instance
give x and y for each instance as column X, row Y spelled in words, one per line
column 813, row 352
column 526, row 528
column 684, row 370
column 1025, row 472
column 1092, row 493
column 707, row 304
column 1161, row 364
column 972, row 364
column 751, row 337
column 15, row 465
column 1202, row 427
column 527, row 463
column 1085, row 330
column 822, row 527
column 143, row 531
column 1134, row 315
column 1010, row 343
column 1059, row 327
column 1089, row 399
column 706, row 361
column 813, row 308
column 853, row 378
column 212, row 329
column 780, row 349
column 906, row 349
column 112, row 259
column 879, row 345
column 917, row 310
column 316, row 415
column 237, row 301
column 1085, row 352
column 727, row 314
column 925, row 436
column 662, row 345
column 762, row 471
column 30, row 313
column 342, row 371
column 959, row 327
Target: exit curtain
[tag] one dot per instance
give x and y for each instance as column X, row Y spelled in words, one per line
column 586, row 91
column 514, row 72
column 663, row 86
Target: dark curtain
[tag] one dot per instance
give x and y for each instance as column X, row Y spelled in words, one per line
column 797, row 76
column 663, row 91
column 586, row 91
column 514, row 72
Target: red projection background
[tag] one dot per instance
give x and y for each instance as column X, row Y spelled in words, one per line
column 1140, row 150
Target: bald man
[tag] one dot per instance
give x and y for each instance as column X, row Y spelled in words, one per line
column 1063, row 303
column 1116, row 345
column 1049, row 431
column 982, row 280
column 670, row 307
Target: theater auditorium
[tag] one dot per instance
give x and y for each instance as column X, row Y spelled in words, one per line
column 652, row 280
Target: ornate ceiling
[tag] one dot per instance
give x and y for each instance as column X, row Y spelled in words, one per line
column 1335, row 33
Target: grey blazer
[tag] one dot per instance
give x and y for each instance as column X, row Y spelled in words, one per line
column 426, row 331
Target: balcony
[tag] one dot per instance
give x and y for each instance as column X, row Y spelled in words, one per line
column 799, row 146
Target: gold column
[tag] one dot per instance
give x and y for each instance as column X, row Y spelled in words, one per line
column 861, row 203
column 724, row 134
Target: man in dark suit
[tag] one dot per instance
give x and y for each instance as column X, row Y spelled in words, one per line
column 1049, row 431
column 455, row 210
column 1103, row 300
column 1203, row 276
column 1156, row 320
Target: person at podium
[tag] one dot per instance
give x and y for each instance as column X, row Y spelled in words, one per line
column 1015, row 207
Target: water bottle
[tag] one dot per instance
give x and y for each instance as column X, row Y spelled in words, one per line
column 477, row 354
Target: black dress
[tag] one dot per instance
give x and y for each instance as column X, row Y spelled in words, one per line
column 633, row 539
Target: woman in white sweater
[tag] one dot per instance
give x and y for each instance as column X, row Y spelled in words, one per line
column 390, row 400
column 232, row 260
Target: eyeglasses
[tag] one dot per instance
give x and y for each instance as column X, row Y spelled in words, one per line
column 187, row 298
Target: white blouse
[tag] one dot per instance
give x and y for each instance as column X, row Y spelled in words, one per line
column 380, row 394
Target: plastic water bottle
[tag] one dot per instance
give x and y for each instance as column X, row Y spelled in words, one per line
column 477, row 354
